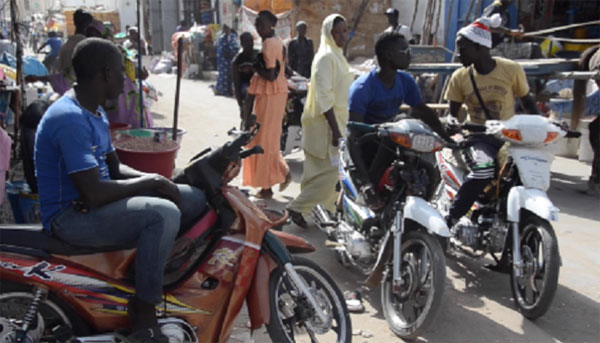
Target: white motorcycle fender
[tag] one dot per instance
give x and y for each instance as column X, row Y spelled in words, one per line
column 421, row 212
column 533, row 200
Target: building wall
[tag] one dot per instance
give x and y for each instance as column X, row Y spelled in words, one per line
column 406, row 9
column 372, row 22
column 164, row 18
column 127, row 8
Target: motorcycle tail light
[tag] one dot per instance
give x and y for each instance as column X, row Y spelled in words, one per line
column 515, row 135
column 550, row 136
column 401, row 139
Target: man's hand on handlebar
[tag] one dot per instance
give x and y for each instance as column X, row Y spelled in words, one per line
column 451, row 123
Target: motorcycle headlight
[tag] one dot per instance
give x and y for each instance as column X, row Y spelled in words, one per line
column 420, row 143
column 423, row 143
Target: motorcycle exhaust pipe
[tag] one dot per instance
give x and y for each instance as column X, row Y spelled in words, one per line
column 322, row 216
column 324, row 220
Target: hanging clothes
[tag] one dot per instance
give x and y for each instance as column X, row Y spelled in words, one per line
column 227, row 47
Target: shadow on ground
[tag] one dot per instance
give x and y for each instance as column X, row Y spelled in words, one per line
column 566, row 194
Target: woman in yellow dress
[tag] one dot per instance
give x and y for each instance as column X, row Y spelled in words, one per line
column 324, row 121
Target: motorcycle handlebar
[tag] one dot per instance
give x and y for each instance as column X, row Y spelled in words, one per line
column 453, row 145
column 473, row 127
column 353, row 125
column 573, row 134
column 257, row 149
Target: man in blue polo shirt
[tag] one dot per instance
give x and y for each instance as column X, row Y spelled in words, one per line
column 376, row 98
column 88, row 198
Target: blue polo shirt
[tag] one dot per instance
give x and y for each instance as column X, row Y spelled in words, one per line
column 379, row 104
column 69, row 139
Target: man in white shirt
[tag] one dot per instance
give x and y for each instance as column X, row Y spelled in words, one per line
column 392, row 15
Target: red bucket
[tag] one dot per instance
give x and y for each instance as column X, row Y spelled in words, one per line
column 148, row 156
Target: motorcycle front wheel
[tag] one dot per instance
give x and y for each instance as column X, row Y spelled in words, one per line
column 411, row 307
column 534, row 290
column 292, row 316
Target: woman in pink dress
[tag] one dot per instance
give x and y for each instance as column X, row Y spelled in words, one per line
column 268, row 94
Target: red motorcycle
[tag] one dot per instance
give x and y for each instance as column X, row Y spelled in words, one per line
column 51, row 291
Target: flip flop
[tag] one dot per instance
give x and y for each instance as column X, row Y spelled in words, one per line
column 354, row 301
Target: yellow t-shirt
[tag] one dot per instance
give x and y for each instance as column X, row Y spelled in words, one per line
column 498, row 90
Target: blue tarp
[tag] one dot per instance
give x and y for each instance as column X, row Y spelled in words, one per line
column 31, row 65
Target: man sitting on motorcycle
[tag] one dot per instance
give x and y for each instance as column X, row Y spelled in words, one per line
column 90, row 199
column 487, row 86
column 376, row 98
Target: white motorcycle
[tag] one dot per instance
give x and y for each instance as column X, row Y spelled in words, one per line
column 512, row 217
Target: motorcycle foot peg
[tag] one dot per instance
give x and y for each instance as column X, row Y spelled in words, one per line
column 333, row 244
column 322, row 216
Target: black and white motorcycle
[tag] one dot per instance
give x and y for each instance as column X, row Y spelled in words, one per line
column 513, row 215
column 396, row 245
column 291, row 129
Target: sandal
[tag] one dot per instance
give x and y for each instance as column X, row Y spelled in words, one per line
column 264, row 194
column 297, row 218
column 354, row 301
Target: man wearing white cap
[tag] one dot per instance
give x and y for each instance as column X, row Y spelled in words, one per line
column 498, row 81
column 392, row 15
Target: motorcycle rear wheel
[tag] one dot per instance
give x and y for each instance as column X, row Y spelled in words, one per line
column 286, row 306
column 421, row 292
column 534, row 291
column 14, row 305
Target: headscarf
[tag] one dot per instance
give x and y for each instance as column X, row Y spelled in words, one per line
column 314, row 107
column 479, row 30
column 328, row 89
column 328, row 43
column 104, row 30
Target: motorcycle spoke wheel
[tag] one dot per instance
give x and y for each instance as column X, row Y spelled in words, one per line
column 294, row 319
column 410, row 307
column 534, row 289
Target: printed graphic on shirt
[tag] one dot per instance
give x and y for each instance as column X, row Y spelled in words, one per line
column 494, row 98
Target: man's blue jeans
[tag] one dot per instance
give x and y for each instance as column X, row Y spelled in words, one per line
column 148, row 223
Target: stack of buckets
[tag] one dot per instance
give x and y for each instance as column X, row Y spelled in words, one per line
column 160, row 162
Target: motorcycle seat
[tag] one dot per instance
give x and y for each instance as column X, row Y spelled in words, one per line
column 33, row 236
